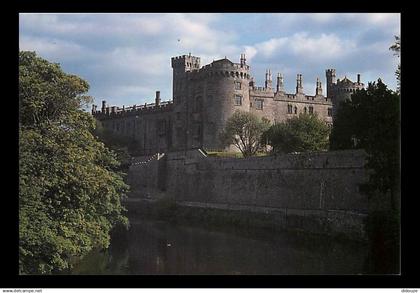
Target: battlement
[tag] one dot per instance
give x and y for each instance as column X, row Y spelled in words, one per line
column 221, row 68
column 116, row 112
column 260, row 89
column 186, row 62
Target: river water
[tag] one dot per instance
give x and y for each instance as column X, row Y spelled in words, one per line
column 157, row 247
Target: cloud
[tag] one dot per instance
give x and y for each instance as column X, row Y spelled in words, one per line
column 51, row 47
column 126, row 57
column 324, row 47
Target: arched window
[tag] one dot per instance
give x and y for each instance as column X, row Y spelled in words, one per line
column 295, row 110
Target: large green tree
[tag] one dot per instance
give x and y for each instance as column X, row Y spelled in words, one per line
column 69, row 187
column 371, row 121
column 298, row 134
column 244, row 130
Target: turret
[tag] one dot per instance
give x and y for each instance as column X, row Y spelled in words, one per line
column 299, row 86
column 181, row 65
column 318, row 90
column 280, row 83
column 268, row 79
column 185, row 63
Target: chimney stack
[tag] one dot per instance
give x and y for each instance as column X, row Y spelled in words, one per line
column 103, row 106
column 157, row 100
column 358, row 78
column 299, row 86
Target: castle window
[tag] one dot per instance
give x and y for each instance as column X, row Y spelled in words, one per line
column 237, row 85
column 238, row 100
column 289, row 109
column 305, row 110
column 259, row 104
column 178, row 115
column 311, row 110
column 295, row 110
column 329, row 112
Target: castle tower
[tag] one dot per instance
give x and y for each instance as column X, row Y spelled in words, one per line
column 299, row 86
column 318, row 90
column 268, row 79
column 330, row 75
column 181, row 65
column 280, row 83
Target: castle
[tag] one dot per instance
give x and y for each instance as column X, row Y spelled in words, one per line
column 205, row 97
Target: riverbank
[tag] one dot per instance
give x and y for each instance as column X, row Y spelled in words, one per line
column 220, row 217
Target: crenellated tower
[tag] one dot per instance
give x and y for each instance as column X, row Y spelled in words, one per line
column 331, row 79
column 340, row 90
column 181, row 65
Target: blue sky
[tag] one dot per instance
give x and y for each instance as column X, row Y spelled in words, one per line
column 126, row 57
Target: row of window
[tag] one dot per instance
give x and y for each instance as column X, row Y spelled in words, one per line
column 259, row 103
column 310, row 109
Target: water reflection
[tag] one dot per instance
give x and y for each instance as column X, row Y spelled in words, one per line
column 151, row 247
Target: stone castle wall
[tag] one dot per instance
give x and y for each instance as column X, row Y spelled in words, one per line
column 318, row 192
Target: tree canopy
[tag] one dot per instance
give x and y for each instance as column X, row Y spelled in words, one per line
column 298, row 134
column 244, row 130
column 371, row 120
column 69, row 187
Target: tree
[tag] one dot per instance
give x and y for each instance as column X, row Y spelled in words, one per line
column 371, row 120
column 69, row 187
column 396, row 47
column 303, row 133
column 244, row 130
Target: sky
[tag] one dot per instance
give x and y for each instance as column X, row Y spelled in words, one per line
column 126, row 58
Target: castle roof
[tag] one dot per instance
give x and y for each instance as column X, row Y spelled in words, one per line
column 346, row 81
column 221, row 61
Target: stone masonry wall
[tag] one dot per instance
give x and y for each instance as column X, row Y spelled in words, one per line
column 317, row 192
